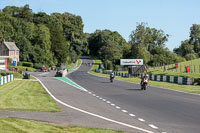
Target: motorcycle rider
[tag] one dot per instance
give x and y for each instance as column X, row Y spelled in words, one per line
column 112, row 76
column 144, row 81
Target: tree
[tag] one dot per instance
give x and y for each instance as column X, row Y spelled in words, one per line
column 42, row 47
column 110, row 51
column 148, row 43
column 59, row 47
column 100, row 38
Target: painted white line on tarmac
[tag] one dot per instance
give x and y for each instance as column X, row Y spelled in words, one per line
column 140, row 119
column 117, row 107
column 112, row 104
column 153, row 126
column 108, row 102
column 95, row 115
column 124, row 111
column 132, row 115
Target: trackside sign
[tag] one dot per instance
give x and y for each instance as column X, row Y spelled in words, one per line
column 131, row 62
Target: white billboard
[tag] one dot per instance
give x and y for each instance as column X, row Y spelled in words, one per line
column 131, row 62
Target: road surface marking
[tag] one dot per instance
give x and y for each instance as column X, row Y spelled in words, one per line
column 124, row 111
column 95, row 115
column 152, row 126
column 117, row 107
column 70, row 82
column 112, row 104
column 108, row 102
column 131, row 114
column 140, row 119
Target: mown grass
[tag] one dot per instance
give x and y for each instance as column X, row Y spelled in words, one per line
column 26, row 96
column 16, row 75
column 23, row 68
column 184, row 88
column 78, row 64
column 194, row 73
column 13, row 125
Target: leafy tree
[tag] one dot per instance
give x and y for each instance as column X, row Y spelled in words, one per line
column 42, row 46
column 110, row 51
column 101, row 38
column 59, row 46
column 149, row 44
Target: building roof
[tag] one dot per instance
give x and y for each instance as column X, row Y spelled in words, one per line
column 11, row 45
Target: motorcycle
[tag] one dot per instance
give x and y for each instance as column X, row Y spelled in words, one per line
column 144, row 84
column 112, row 76
column 111, row 79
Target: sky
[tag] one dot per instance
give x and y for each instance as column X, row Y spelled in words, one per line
column 174, row 17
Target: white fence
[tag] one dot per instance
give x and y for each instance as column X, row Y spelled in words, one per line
column 6, row 79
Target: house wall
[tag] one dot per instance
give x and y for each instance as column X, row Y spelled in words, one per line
column 3, row 50
column 14, row 55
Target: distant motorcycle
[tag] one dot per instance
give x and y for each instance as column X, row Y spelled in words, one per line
column 112, row 76
column 144, row 84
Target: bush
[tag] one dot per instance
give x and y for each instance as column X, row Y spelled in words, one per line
column 38, row 65
column 108, row 65
column 20, row 63
column 191, row 56
column 28, row 64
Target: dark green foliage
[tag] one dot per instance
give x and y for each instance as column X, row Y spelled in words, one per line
column 190, row 49
column 43, row 39
column 19, row 63
column 38, row 65
column 108, row 65
column 28, row 64
column 107, row 45
column 149, row 44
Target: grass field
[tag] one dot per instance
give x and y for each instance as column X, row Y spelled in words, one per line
column 12, row 125
column 185, row 88
column 23, row 68
column 194, row 73
column 26, row 96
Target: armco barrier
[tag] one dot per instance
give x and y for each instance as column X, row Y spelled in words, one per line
column 6, row 79
column 171, row 79
column 116, row 73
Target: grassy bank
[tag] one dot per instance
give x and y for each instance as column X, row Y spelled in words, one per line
column 27, row 96
column 12, row 125
column 184, row 88
column 194, row 69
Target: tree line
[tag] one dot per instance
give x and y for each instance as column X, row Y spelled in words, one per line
column 43, row 39
column 59, row 38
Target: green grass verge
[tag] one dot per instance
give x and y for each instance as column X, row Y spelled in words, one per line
column 180, row 71
column 23, row 68
column 185, row 88
column 78, row 64
column 16, row 75
column 13, row 125
column 27, row 96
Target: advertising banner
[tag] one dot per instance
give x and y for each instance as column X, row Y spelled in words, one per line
column 131, row 62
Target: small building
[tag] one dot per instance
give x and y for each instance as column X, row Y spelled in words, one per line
column 9, row 49
column 3, row 63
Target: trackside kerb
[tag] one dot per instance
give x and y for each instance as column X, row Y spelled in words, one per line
column 68, row 81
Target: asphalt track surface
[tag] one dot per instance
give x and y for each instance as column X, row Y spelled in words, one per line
column 170, row 111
